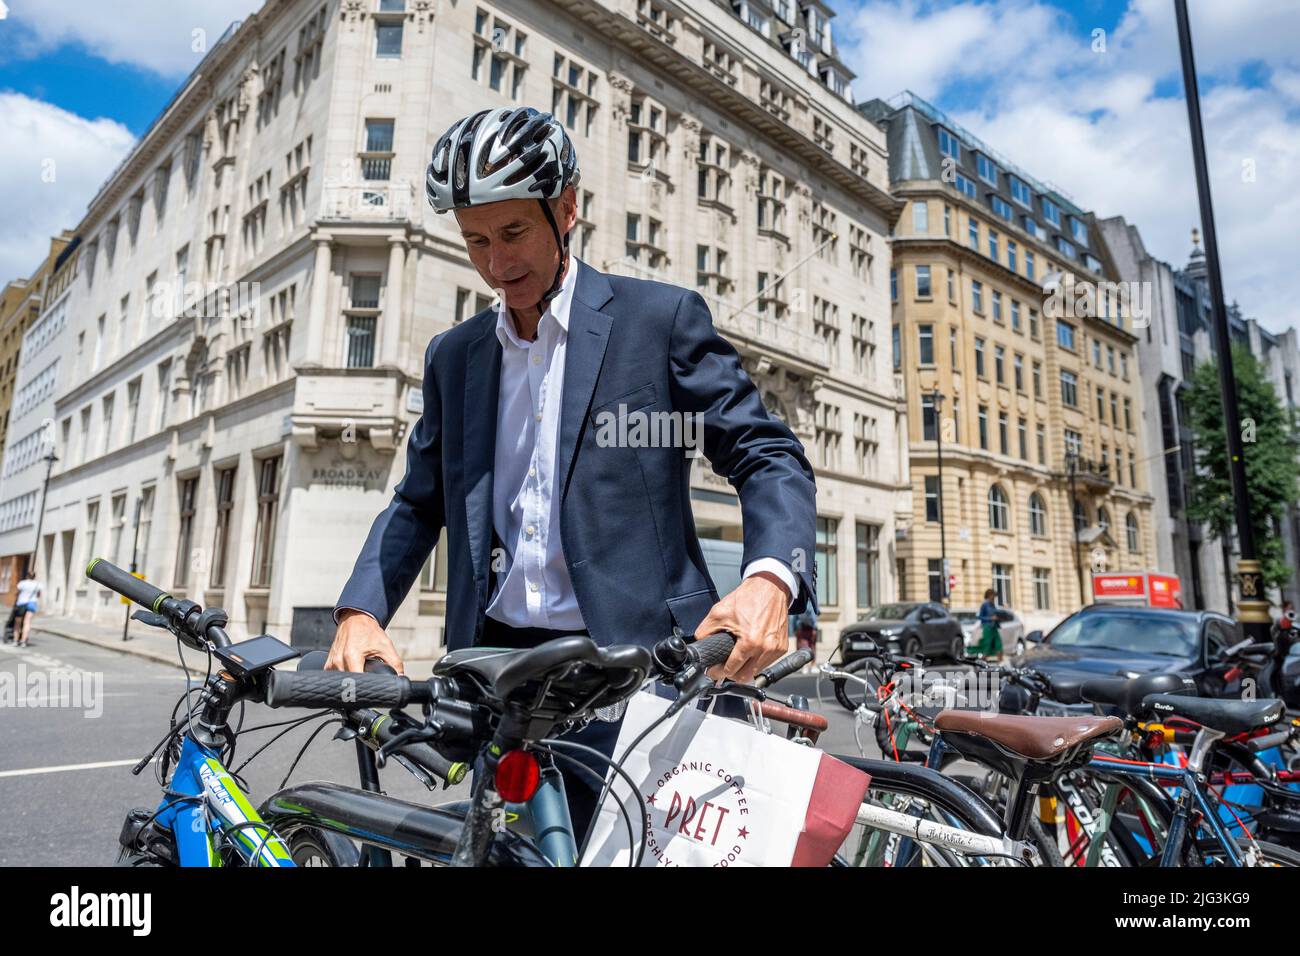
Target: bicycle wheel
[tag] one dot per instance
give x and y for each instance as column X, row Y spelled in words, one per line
column 851, row 694
column 309, row 848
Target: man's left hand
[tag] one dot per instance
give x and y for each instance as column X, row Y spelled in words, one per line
column 757, row 615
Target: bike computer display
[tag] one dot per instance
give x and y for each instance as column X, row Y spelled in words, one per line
column 255, row 654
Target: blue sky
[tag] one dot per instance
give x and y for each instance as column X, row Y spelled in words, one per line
column 80, row 80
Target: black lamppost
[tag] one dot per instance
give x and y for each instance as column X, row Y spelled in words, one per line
column 1252, row 609
column 49, row 458
column 1072, row 467
column 936, row 397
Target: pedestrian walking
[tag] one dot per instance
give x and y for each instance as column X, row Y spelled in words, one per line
column 991, row 618
column 29, row 589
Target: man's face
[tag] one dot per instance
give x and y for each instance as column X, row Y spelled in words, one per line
column 512, row 246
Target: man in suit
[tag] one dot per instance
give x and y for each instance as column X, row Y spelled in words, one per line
column 551, row 527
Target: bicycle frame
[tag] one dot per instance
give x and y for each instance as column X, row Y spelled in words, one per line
column 204, row 803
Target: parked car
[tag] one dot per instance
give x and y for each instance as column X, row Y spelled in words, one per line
column 1116, row 641
column 919, row 629
column 1013, row 631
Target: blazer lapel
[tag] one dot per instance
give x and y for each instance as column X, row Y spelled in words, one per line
column 482, row 385
column 588, row 337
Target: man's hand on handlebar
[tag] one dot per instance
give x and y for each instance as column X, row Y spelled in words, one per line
column 756, row 613
column 359, row 638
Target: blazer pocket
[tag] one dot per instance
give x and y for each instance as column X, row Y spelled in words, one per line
column 633, row 400
column 688, row 610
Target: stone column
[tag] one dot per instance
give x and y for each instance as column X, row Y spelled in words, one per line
column 316, row 317
column 394, row 318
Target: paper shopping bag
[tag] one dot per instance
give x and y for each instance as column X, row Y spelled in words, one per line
column 719, row 793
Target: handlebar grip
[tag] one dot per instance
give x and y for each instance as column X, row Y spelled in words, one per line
column 714, row 649
column 337, row 690
column 784, row 667
column 125, row 584
column 421, row 753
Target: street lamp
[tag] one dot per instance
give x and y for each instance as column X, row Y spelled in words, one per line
column 1252, row 608
column 936, row 399
column 49, row 458
column 1072, row 467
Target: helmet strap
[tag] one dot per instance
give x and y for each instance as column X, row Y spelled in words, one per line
column 562, row 243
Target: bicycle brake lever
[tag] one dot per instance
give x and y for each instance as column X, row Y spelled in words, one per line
column 413, row 735
column 729, row 686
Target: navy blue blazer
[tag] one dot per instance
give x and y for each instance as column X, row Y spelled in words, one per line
column 625, row 514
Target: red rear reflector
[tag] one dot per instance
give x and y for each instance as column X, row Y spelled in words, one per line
column 518, row 776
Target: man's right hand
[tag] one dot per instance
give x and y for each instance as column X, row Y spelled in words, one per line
column 358, row 639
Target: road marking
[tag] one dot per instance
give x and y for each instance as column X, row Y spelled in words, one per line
column 70, row 766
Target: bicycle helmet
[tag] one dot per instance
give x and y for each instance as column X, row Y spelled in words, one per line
column 500, row 154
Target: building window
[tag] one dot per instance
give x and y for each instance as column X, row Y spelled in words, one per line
column 92, row 527
column 934, row 576
column 966, row 186
column 1022, row 430
column 920, row 217
column 925, row 336
column 268, row 502
column 221, row 538
column 1131, row 531
column 1002, row 434
column 362, row 317
column 976, row 297
column 1033, row 325
column 1018, row 370
column 999, row 509
column 1069, row 389
column 187, row 502
column 1065, row 335
column 1080, row 516
column 1079, row 230
column 1021, row 192
column 1051, row 212
column 973, row 234
column 827, row 571
column 949, row 145
column 1037, row 515
column 388, row 38
column 1042, row 589
column 1002, row 208
column 993, row 245
column 868, row 564
column 929, row 421
column 987, row 169
column 1040, row 436
column 979, row 357
column 999, row 363
column 984, row 427
column 1002, row 584
column 144, row 526
column 923, row 282
column 500, row 46
column 931, row 498
column 377, row 156
column 1103, row 519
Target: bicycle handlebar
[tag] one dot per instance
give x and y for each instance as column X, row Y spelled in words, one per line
column 128, row 585
column 784, row 667
column 340, row 690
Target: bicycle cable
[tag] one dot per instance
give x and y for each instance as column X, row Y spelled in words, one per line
column 622, row 807
column 605, row 792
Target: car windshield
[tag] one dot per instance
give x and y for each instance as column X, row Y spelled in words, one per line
column 1133, row 633
column 889, row 612
column 965, row 616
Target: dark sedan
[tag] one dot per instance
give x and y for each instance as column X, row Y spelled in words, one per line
column 922, row 629
column 1115, row 641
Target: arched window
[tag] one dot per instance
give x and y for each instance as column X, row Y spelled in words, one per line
column 1131, row 527
column 1037, row 515
column 999, row 518
column 1103, row 519
column 1080, row 516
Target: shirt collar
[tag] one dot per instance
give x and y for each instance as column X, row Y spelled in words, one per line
column 558, row 309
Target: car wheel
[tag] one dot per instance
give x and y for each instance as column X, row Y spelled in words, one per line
column 957, row 650
column 912, row 647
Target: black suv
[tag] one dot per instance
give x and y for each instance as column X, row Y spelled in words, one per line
column 920, row 629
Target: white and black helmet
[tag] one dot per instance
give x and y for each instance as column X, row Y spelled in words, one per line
column 493, row 155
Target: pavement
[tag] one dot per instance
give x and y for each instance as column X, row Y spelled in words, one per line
column 151, row 643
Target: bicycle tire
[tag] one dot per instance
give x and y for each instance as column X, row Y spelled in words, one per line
column 847, row 699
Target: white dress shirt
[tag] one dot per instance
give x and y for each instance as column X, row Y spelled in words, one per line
column 534, row 590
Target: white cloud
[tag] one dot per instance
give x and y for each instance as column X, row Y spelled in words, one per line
column 1091, row 122
column 55, row 164
column 167, row 38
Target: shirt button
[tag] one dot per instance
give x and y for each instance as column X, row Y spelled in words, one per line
column 538, row 416
column 531, row 530
column 537, row 360
column 534, row 587
column 532, row 472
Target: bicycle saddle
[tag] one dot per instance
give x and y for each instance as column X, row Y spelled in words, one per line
column 1228, row 716
column 483, row 663
column 1127, row 693
column 1066, row 688
column 1027, row 736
